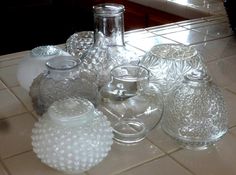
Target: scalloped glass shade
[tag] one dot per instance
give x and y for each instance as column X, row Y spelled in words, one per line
column 169, row 63
column 72, row 136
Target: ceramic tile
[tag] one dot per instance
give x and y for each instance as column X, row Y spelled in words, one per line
column 192, row 13
column 171, row 29
column 123, row 157
column 157, row 4
column 230, row 100
column 233, row 130
column 29, row 164
column 162, row 140
column 223, row 71
column 146, row 44
column 164, row 165
column 2, row 85
column 2, row 170
column 187, row 37
column 15, row 135
column 217, row 31
column 10, row 105
column 8, row 75
column 23, row 95
column 216, row 161
column 176, row 9
column 232, row 88
column 138, row 34
column 11, row 62
column 218, row 49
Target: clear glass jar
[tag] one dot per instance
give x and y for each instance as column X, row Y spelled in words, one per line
column 109, row 49
column 195, row 114
column 72, row 136
column 63, row 79
column 34, row 63
column 170, row 62
column 132, row 106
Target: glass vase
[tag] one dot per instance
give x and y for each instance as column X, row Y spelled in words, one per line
column 109, row 49
column 63, row 79
column 72, row 136
column 196, row 114
column 132, row 106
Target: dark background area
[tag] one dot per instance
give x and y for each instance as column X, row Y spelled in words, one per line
column 26, row 24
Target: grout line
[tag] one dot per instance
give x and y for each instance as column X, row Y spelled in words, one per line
column 183, row 166
column 17, row 154
column 15, row 115
column 141, row 164
column 5, row 167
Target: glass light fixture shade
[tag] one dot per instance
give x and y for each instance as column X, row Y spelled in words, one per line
column 63, row 79
column 196, row 114
column 131, row 105
column 109, row 49
column 34, row 63
column 72, row 136
column 170, row 62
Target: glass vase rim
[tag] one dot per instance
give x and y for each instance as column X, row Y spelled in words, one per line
column 193, row 52
column 60, row 63
column 146, row 76
column 108, row 9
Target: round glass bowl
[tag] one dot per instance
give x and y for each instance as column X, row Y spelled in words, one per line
column 72, row 136
column 169, row 63
column 34, row 63
column 79, row 43
column 195, row 114
column 131, row 105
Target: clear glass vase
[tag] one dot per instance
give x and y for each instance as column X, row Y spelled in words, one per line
column 195, row 114
column 63, row 79
column 132, row 106
column 109, row 49
column 72, row 136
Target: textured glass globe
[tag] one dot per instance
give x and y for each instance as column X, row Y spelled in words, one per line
column 195, row 114
column 63, row 79
column 72, row 136
column 34, row 63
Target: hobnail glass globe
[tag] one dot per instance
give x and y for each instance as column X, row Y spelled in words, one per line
column 195, row 114
column 170, row 62
column 131, row 104
column 72, row 136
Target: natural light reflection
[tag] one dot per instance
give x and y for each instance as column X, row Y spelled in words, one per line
column 182, row 2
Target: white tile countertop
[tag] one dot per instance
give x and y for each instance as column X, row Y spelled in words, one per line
column 189, row 9
column 158, row 153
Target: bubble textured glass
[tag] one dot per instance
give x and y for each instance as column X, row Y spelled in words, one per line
column 170, row 62
column 196, row 114
column 109, row 49
column 131, row 105
column 72, row 136
column 79, row 43
column 34, row 63
column 63, row 79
